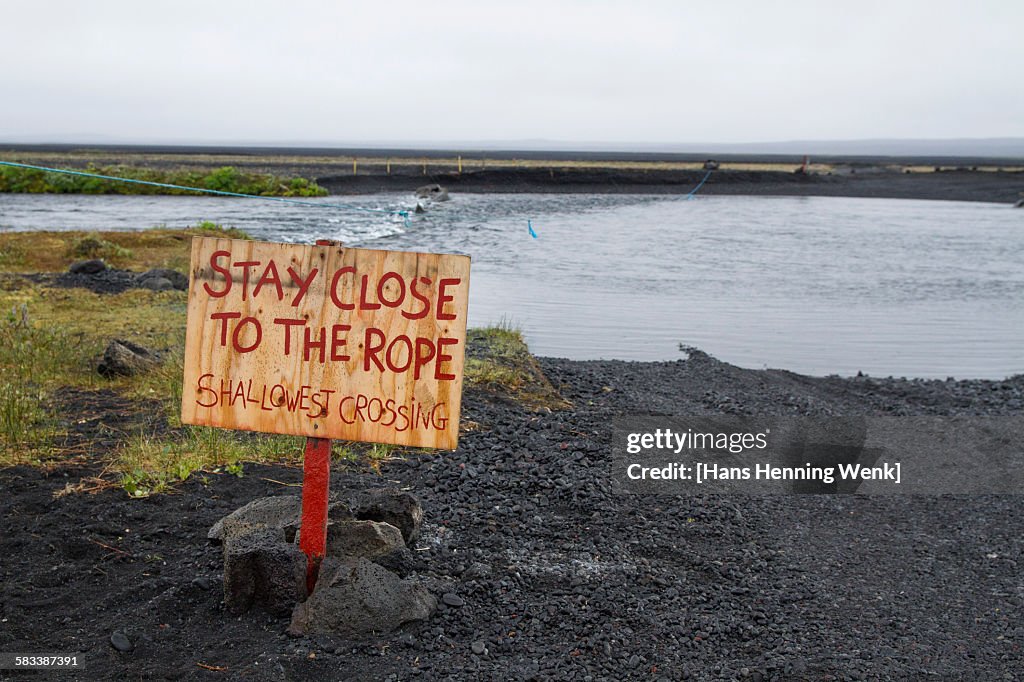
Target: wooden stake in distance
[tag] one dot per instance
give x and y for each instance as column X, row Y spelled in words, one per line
column 316, row 490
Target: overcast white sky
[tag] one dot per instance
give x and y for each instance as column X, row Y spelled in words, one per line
column 573, row 71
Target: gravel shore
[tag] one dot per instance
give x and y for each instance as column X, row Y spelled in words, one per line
column 381, row 170
column 559, row 577
column 953, row 185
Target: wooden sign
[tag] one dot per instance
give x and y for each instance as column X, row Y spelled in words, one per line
column 326, row 341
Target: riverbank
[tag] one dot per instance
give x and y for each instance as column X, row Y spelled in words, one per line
column 104, row 515
column 558, row 577
column 954, row 185
column 368, row 171
column 120, row 179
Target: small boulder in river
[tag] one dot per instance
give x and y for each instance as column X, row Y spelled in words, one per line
column 124, row 358
column 88, row 267
column 432, row 192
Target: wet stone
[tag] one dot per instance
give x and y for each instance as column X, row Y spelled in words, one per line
column 452, row 599
column 120, row 641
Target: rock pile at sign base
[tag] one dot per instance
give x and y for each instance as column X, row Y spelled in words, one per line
column 356, row 597
column 360, row 588
column 260, row 567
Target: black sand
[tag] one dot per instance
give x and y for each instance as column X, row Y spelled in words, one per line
column 573, row 581
column 561, row 578
column 991, row 186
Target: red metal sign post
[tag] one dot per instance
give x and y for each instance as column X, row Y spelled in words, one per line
column 316, row 486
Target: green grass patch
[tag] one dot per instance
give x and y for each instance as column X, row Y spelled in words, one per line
column 94, row 247
column 152, row 464
column 148, row 464
column 154, row 248
column 53, row 338
column 224, row 179
column 211, row 229
column 153, row 319
column 33, row 359
column 498, row 360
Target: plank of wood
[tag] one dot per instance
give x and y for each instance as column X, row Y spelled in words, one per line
column 326, row 341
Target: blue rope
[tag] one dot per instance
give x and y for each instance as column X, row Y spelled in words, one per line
column 699, row 185
column 346, row 207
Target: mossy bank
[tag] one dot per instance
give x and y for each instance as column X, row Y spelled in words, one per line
column 53, row 334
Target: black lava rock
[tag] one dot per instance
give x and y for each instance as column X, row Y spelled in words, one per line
column 120, row 641
column 88, row 267
column 173, row 279
column 124, row 358
column 452, row 599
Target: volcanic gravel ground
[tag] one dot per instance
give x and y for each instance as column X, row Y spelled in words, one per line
column 1002, row 187
column 558, row 576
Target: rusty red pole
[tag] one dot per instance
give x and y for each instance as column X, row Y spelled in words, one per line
column 316, row 486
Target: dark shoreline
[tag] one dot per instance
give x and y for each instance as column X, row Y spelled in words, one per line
column 985, row 186
column 506, row 154
column 559, row 574
column 362, row 171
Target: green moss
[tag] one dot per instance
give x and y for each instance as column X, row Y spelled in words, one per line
column 54, row 337
column 225, row 179
column 498, row 360
column 94, row 247
column 142, row 250
column 211, row 229
column 33, row 359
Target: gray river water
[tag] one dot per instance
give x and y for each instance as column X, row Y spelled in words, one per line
column 814, row 285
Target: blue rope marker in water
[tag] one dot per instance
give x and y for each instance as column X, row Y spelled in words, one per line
column 699, row 185
column 344, row 207
column 529, row 226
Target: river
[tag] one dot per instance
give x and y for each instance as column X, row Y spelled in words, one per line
column 814, row 285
